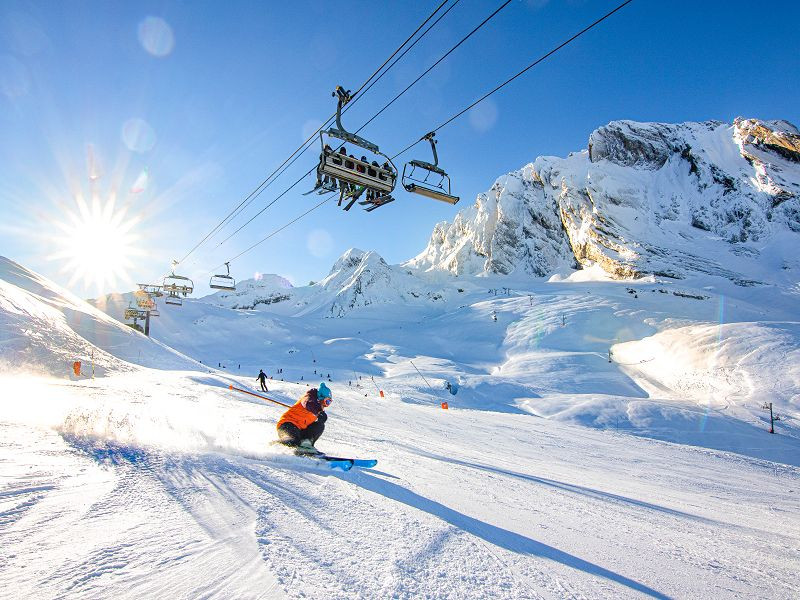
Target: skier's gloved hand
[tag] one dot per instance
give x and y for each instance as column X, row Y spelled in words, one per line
column 322, row 417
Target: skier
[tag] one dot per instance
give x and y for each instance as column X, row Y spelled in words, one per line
column 304, row 422
column 262, row 379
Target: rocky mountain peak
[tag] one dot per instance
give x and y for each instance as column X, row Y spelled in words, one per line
column 645, row 198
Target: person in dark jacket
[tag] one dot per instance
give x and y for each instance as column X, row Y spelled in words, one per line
column 262, row 379
column 303, row 424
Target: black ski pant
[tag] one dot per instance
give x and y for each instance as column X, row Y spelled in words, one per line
column 291, row 435
column 264, row 386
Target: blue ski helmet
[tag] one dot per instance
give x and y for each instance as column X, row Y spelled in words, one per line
column 324, row 394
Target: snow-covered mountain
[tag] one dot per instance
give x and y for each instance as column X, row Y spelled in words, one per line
column 360, row 279
column 645, row 198
column 251, row 293
column 357, row 279
column 566, row 388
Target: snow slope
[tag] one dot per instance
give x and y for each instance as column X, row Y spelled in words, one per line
column 607, row 438
column 160, row 482
column 43, row 327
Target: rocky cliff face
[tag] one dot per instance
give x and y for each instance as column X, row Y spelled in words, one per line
column 514, row 227
column 668, row 199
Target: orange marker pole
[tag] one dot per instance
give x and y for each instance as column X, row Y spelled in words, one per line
column 236, row 389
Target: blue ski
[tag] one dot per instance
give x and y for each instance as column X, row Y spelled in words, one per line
column 342, row 465
column 338, row 462
column 364, row 463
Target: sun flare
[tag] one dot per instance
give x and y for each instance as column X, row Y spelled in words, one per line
column 97, row 244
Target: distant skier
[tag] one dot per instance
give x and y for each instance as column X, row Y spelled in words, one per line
column 304, row 422
column 262, row 379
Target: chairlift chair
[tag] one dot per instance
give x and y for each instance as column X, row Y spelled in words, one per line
column 173, row 299
column 151, row 289
column 144, row 301
column 223, row 282
column 420, row 179
column 354, row 176
column 177, row 284
column 135, row 313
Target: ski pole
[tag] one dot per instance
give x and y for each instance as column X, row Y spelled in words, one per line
column 230, row 387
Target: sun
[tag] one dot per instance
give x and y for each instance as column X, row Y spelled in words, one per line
column 97, row 244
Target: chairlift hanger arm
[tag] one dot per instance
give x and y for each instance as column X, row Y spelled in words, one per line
column 429, row 137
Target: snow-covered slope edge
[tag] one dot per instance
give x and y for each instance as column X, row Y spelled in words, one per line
column 668, row 199
column 45, row 328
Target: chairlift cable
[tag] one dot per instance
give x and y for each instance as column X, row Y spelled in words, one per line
column 438, row 8
column 432, row 25
column 408, row 87
column 274, row 200
column 281, row 228
column 526, row 69
column 363, row 89
column 303, row 147
column 445, row 55
column 451, row 119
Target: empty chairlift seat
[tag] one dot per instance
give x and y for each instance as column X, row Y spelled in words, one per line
column 223, row 282
column 428, row 179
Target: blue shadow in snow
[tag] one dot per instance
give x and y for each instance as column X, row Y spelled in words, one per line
column 498, row 536
column 106, row 452
column 576, row 489
column 211, row 381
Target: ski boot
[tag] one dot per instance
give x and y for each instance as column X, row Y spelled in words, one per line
column 306, row 447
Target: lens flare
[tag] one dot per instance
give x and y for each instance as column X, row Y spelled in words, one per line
column 138, row 136
column 97, row 244
column 156, row 37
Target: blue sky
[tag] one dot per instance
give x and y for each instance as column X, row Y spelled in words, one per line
column 177, row 110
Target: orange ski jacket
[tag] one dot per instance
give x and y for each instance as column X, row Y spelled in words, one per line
column 303, row 412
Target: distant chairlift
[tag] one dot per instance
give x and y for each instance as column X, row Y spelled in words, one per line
column 135, row 313
column 151, row 289
column 144, row 301
column 223, row 282
column 350, row 176
column 421, row 177
column 176, row 286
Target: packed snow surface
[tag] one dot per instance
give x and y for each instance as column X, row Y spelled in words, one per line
column 606, row 440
